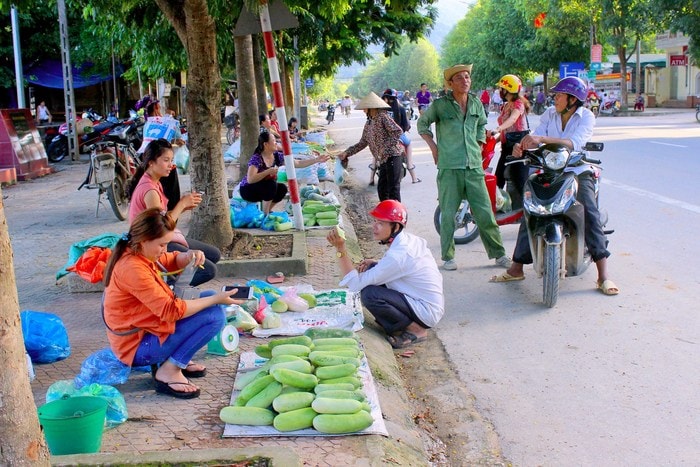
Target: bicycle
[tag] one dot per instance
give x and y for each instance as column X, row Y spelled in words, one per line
column 233, row 125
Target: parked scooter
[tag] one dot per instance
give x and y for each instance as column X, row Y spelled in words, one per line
column 611, row 107
column 593, row 104
column 58, row 149
column 330, row 116
column 555, row 220
column 465, row 227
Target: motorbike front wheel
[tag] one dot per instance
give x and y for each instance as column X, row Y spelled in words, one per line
column 58, row 150
column 465, row 228
column 550, row 276
column 118, row 200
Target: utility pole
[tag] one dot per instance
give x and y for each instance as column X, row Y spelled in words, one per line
column 68, row 93
column 19, row 74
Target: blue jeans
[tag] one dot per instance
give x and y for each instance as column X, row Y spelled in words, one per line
column 191, row 334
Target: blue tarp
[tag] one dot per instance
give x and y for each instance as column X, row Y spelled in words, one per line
column 48, row 73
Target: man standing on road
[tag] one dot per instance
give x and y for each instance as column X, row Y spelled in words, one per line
column 460, row 124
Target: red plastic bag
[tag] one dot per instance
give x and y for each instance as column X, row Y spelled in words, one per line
column 91, row 265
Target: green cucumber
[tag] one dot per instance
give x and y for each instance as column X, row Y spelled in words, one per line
column 323, row 405
column 300, row 340
column 294, row 378
column 357, row 394
column 336, row 371
column 321, row 333
column 343, row 423
column 333, row 387
column 331, row 358
column 335, row 341
column 264, row 398
column 293, row 401
column 291, row 349
column 263, row 351
column 340, row 350
column 355, row 381
column 245, row 378
column 295, row 419
column 246, row 416
column 299, row 365
column 254, row 388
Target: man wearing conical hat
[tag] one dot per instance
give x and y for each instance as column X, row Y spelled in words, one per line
column 382, row 135
column 460, row 125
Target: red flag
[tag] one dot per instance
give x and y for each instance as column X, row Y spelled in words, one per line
column 539, row 20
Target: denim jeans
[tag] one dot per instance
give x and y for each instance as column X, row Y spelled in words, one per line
column 191, row 334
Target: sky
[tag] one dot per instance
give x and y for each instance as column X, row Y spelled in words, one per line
column 449, row 13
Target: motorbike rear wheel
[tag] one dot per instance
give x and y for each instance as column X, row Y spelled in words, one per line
column 118, row 200
column 550, row 276
column 465, row 228
column 58, row 150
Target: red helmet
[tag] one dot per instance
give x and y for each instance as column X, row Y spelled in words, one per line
column 390, row 210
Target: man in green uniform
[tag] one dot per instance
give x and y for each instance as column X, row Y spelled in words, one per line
column 460, row 126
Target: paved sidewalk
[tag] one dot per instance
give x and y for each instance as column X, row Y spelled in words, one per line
column 45, row 216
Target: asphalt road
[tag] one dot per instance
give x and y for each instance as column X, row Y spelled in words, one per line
column 596, row 380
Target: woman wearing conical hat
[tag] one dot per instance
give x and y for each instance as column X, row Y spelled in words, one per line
column 382, row 135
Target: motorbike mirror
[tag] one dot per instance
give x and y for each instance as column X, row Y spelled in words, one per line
column 593, row 146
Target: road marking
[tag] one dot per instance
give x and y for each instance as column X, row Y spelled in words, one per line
column 654, row 196
column 668, row 144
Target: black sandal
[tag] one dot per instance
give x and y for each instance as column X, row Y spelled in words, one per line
column 167, row 388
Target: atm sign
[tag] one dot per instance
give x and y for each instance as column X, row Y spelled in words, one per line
column 679, row 60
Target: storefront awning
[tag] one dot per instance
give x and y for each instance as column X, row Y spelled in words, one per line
column 48, row 73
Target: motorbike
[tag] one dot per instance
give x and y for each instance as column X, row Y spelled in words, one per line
column 58, row 148
column 112, row 166
column 330, row 116
column 697, row 113
column 408, row 106
column 233, row 127
column 465, row 227
column 593, row 104
column 610, row 108
column 555, row 220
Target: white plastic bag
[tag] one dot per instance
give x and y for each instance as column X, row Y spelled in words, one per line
column 338, row 171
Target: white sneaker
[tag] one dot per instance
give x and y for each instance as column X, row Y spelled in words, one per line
column 504, row 261
column 449, row 265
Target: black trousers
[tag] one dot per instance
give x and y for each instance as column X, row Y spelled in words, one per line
column 593, row 234
column 265, row 190
column 389, row 308
column 389, row 181
column 211, row 253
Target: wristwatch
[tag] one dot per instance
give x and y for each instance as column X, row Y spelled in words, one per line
column 339, row 254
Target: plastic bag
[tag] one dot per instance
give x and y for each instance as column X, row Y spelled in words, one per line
column 116, row 405
column 272, row 320
column 338, row 171
column 233, row 152
column 246, row 216
column 182, row 158
column 243, row 321
column 91, row 264
column 102, row 367
column 294, row 301
column 45, row 337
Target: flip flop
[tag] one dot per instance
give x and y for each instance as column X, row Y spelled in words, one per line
column 276, row 278
column 608, row 287
column 505, row 277
column 167, row 388
column 405, row 339
column 187, row 373
column 418, row 180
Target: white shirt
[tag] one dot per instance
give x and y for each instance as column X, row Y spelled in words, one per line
column 579, row 129
column 43, row 112
column 409, row 268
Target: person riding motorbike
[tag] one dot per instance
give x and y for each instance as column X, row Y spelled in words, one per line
column 570, row 124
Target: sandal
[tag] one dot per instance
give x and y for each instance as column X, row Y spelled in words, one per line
column 167, row 388
column 505, row 277
column 187, row 373
column 418, row 180
column 608, row 287
column 405, row 339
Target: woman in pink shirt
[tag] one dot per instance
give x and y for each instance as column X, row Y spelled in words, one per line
column 146, row 191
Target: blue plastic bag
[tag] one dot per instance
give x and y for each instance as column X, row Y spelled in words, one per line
column 246, row 216
column 45, row 337
column 102, row 367
column 116, row 405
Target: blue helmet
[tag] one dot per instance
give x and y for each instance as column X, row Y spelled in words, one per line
column 573, row 86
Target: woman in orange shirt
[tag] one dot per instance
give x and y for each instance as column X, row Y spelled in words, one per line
column 146, row 323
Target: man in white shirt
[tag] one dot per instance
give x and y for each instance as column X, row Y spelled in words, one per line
column 403, row 290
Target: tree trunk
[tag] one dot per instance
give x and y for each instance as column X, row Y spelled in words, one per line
column 247, row 98
column 259, row 75
column 22, row 440
column 197, row 32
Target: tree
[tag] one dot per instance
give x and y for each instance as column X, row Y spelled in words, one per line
column 22, row 440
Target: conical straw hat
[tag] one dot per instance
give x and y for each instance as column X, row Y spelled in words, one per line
column 372, row 101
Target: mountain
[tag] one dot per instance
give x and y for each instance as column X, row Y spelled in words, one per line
column 449, row 13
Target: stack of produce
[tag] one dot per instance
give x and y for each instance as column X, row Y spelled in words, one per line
column 309, row 381
column 318, row 209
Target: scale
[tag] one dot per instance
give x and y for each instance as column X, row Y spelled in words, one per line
column 225, row 342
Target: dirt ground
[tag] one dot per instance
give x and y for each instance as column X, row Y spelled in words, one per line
column 247, row 246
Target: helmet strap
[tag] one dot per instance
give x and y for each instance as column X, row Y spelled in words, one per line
column 394, row 232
